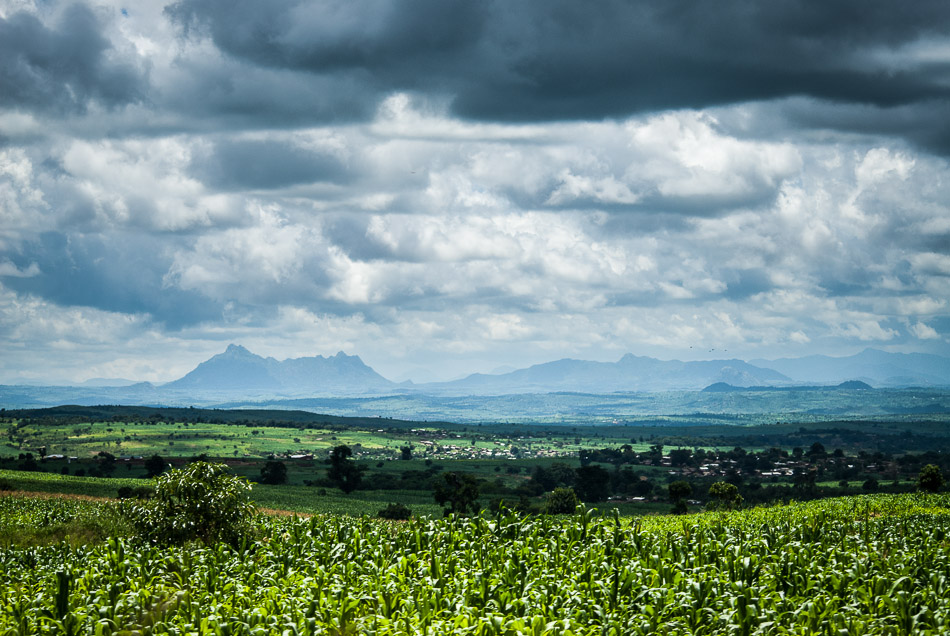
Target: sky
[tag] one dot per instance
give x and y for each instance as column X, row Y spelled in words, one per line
column 445, row 186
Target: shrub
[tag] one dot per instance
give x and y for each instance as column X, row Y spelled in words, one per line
column 930, row 478
column 459, row 491
column 395, row 511
column 200, row 502
column 274, row 472
column 561, row 501
column 139, row 492
column 725, row 496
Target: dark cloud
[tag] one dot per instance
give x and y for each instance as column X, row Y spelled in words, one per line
column 115, row 273
column 567, row 60
column 743, row 283
column 64, row 68
column 403, row 40
column 266, row 164
column 349, row 233
column 924, row 123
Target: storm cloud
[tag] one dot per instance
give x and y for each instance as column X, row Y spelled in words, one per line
column 539, row 60
column 63, row 66
column 447, row 186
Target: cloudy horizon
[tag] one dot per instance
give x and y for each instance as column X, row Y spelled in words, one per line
column 445, row 187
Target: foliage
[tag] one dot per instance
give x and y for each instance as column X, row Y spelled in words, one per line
column 457, row 490
column 930, row 478
column 680, row 489
column 274, row 472
column 561, row 501
column 343, row 470
column 861, row 566
column 35, row 521
column 155, row 466
column 593, row 483
column 139, row 492
column 395, row 511
column 725, row 496
column 201, row 501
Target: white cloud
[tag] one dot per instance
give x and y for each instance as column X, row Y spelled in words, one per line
column 145, row 183
column 245, row 262
column 684, row 155
column 924, row 332
column 449, row 242
column 7, row 268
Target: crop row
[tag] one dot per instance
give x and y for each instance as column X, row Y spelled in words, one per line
column 870, row 565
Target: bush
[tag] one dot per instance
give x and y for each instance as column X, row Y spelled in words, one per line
column 561, row 501
column 6, row 485
column 395, row 511
column 200, row 502
column 725, row 496
column 930, row 478
column 459, row 490
column 274, row 472
column 139, row 492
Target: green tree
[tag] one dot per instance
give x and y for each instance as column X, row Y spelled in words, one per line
column 725, row 496
column 405, row 452
column 457, row 493
column 396, row 511
column 593, row 483
column 930, row 478
column 561, row 501
column 155, row 466
column 344, row 471
column 200, row 502
column 106, row 463
column 805, row 480
column 273, row 472
column 679, row 491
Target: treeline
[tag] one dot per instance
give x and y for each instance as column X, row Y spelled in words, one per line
column 249, row 417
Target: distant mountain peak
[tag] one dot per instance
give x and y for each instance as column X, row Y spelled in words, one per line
column 238, row 369
column 855, row 385
column 721, row 387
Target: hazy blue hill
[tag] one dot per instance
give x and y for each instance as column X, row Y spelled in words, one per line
column 877, row 367
column 630, row 373
column 342, row 371
column 237, row 369
column 850, row 385
column 108, row 382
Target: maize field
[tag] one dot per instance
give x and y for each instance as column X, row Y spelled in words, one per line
column 860, row 565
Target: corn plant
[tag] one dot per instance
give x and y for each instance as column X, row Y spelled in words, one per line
column 862, row 565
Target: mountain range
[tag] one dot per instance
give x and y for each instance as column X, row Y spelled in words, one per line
column 630, row 373
column 240, row 375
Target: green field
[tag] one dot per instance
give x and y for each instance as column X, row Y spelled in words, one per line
column 860, row 565
column 866, row 455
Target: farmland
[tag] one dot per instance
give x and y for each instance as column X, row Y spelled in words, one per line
column 861, row 565
column 99, row 450
column 872, row 564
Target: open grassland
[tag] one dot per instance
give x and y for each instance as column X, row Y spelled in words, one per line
column 861, row 565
